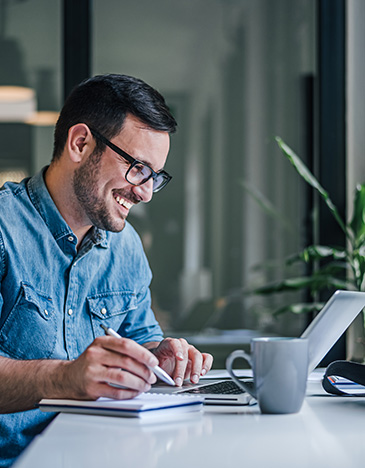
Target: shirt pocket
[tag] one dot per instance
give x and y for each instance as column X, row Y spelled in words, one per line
column 30, row 330
column 111, row 309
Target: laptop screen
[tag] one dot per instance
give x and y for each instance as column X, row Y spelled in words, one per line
column 331, row 322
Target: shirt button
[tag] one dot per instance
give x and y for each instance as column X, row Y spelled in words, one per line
column 103, row 311
column 70, row 311
column 45, row 312
column 70, row 238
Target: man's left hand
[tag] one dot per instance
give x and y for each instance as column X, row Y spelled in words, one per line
column 182, row 360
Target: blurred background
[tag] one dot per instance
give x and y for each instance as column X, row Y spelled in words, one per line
column 235, row 73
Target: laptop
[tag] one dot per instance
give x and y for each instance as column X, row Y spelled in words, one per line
column 322, row 333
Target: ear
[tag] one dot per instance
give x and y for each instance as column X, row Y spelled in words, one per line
column 80, row 142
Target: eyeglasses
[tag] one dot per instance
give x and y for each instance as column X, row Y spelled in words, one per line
column 138, row 172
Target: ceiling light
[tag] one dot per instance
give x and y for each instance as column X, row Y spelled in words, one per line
column 17, row 104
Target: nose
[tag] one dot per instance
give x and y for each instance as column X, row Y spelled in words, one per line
column 145, row 191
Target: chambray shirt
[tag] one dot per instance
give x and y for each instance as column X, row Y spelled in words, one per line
column 53, row 298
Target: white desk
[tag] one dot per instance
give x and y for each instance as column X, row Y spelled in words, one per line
column 329, row 431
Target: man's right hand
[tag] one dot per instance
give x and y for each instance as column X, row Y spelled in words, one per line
column 107, row 364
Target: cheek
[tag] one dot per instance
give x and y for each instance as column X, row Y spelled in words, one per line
column 113, row 175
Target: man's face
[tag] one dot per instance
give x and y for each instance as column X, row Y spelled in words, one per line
column 103, row 194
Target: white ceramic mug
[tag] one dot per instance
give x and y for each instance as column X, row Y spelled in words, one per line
column 280, row 370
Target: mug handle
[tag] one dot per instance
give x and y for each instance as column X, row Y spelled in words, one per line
column 229, row 364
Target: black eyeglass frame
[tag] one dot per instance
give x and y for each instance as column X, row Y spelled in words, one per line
column 133, row 162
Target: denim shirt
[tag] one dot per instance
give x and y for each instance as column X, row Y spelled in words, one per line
column 54, row 298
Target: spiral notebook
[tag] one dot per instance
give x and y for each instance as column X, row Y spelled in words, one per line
column 145, row 405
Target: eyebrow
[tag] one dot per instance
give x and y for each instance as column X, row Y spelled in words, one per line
column 146, row 163
column 140, row 160
column 108, row 143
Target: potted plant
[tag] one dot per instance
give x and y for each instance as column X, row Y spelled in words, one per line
column 331, row 267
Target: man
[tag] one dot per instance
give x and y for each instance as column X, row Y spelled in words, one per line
column 69, row 262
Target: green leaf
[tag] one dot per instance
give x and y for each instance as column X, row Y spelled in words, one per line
column 358, row 266
column 358, row 218
column 333, row 269
column 317, row 252
column 305, row 173
column 300, row 308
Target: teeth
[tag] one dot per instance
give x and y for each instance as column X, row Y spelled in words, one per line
column 124, row 203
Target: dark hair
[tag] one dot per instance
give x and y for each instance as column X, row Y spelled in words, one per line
column 103, row 102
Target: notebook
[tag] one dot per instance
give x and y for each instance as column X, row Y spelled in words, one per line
column 322, row 333
column 143, row 406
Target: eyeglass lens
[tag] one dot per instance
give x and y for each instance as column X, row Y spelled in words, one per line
column 138, row 174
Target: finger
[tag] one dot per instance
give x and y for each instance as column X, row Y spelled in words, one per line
column 99, row 364
column 187, row 370
column 108, row 391
column 128, row 347
column 130, row 365
column 207, row 363
column 101, row 352
column 122, row 378
column 182, row 359
column 196, row 360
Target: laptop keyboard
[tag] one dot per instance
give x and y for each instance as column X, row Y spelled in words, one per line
column 226, row 387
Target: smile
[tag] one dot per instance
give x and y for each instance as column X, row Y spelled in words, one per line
column 123, row 202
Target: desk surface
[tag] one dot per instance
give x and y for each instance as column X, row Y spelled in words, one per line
column 328, row 431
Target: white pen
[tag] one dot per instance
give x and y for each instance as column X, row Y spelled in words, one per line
column 160, row 373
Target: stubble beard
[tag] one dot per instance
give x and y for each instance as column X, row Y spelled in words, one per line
column 85, row 185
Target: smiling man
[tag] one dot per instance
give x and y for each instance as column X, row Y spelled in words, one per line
column 70, row 261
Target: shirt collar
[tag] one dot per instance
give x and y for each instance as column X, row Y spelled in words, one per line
column 46, row 207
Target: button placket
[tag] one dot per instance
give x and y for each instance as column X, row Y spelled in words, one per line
column 71, row 314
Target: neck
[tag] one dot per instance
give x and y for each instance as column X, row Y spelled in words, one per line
column 59, row 184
